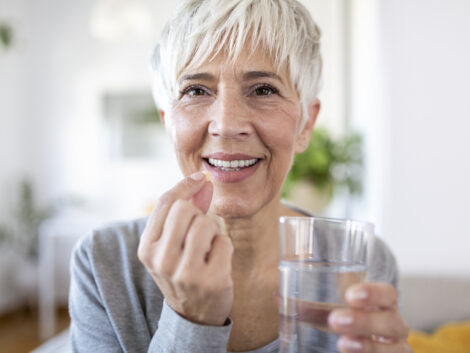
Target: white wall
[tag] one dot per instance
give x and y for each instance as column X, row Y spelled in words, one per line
column 330, row 16
column 411, row 96
column 11, row 111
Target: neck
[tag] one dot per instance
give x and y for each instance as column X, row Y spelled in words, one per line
column 255, row 275
column 255, row 240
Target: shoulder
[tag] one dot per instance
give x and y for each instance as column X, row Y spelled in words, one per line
column 106, row 259
column 111, row 288
column 112, row 239
column 110, row 251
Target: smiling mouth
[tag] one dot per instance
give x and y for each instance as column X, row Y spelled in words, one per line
column 232, row 166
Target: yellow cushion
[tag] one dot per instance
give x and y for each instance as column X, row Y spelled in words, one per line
column 451, row 338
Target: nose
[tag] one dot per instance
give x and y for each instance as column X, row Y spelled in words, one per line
column 230, row 118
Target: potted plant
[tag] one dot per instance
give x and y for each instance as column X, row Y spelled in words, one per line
column 19, row 248
column 327, row 166
column 19, row 242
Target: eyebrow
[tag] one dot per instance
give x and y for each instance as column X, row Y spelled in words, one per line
column 249, row 75
column 204, row 76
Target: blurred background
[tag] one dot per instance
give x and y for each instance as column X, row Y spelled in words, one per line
column 81, row 143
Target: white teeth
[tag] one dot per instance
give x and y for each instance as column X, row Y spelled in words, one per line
column 232, row 164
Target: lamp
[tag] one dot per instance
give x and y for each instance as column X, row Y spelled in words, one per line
column 119, row 19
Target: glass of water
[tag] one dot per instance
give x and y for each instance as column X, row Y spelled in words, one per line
column 319, row 259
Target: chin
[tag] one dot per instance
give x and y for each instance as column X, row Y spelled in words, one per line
column 238, row 206
column 232, row 209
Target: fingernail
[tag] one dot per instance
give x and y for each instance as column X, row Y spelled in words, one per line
column 349, row 344
column 198, row 176
column 340, row 319
column 382, row 339
column 356, row 294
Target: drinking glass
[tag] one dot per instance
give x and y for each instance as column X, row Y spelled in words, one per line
column 319, row 259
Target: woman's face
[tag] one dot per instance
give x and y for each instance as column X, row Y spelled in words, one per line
column 240, row 122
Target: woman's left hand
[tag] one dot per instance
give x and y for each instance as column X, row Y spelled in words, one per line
column 372, row 323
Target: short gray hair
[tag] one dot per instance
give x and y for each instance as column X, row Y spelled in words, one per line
column 200, row 29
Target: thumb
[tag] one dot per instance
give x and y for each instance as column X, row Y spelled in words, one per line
column 202, row 199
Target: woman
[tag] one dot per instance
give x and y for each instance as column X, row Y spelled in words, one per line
column 236, row 81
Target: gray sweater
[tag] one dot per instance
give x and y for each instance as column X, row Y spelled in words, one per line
column 115, row 305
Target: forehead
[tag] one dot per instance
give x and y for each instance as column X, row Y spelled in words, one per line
column 256, row 61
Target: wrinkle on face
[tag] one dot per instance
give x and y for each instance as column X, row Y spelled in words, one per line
column 268, row 126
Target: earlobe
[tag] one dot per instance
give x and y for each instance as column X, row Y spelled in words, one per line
column 306, row 132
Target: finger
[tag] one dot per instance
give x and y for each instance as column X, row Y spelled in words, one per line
column 372, row 295
column 384, row 323
column 202, row 199
column 178, row 223
column 183, row 190
column 199, row 241
column 220, row 255
column 348, row 344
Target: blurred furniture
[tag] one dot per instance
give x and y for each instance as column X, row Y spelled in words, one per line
column 57, row 238
column 428, row 302
column 450, row 338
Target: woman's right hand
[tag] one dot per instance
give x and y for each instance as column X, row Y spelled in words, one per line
column 185, row 255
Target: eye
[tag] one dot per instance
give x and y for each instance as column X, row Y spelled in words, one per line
column 194, row 91
column 264, row 90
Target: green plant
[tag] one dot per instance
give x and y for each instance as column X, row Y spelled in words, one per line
column 6, row 35
column 28, row 216
column 329, row 163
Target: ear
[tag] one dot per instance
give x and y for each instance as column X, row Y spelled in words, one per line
column 304, row 135
column 162, row 117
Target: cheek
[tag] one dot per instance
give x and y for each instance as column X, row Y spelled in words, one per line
column 279, row 131
column 279, row 135
column 187, row 134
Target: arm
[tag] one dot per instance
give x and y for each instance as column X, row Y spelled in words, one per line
column 106, row 307
column 92, row 329
column 191, row 264
column 176, row 334
column 184, row 253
